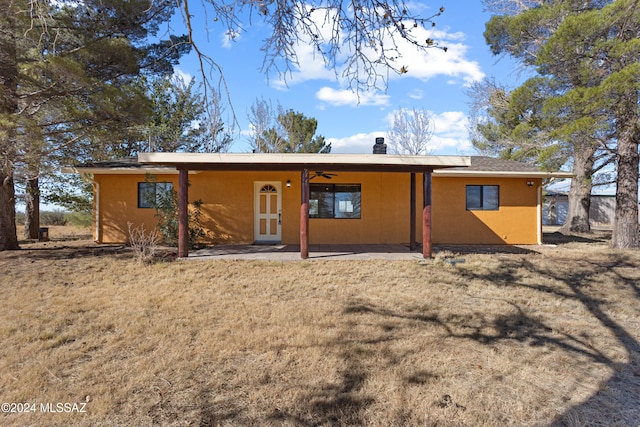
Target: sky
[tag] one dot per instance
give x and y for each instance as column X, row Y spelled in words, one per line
column 435, row 81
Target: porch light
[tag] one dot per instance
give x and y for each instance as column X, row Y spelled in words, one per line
column 288, row 183
column 529, row 183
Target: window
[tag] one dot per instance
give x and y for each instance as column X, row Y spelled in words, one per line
column 150, row 193
column 334, row 201
column 483, row 197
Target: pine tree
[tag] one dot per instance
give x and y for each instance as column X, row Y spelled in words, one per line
column 589, row 52
column 67, row 72
column 293, row 133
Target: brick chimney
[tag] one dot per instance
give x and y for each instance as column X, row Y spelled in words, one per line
column 380, row 147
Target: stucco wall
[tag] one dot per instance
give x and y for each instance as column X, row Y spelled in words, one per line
column 228, row 205
column 117, row 198
column 515, row 222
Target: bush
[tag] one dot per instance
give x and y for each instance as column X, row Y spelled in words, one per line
column 143, row 243
column 53, row 218
column 79, row 219
column 21, row 217
column 165, row 204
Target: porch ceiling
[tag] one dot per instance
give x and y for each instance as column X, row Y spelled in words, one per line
column 300, row 161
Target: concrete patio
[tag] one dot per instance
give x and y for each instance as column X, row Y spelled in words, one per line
column 292, row 252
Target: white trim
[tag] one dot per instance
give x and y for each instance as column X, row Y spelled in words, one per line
column 302, row 158
column 122, row 170
column 539, row 216
column 500, row 174
column 97, row 209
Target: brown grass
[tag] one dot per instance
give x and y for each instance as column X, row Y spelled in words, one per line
column 546, row 335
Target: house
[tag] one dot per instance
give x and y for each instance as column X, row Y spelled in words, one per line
column 326, row 198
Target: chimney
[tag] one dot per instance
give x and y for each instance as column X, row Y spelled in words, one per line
column 380, row 147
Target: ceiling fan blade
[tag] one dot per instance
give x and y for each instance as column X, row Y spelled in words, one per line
column 323, row 175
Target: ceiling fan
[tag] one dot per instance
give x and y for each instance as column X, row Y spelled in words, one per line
column 323, row 175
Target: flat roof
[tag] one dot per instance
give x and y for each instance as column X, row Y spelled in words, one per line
column 299, row 161
column 445, row 166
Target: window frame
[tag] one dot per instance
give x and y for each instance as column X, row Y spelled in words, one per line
column 316, row 209
column 143, row 202
column 483, row 204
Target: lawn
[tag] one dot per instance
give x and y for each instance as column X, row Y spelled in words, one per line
column 543, row 335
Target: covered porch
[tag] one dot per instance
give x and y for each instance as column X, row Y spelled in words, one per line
column 304, row 164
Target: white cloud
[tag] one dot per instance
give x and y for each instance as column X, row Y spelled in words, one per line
column 349, row 97
column 416, row 94
column 310, row 67
column 180, row 75
column 450, row 132
column 229, row 37
column 434, row 62
column 421, row 64
column 450, row 136
column 361, row 143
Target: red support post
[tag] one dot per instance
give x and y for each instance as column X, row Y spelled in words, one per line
column 183, row 213
column 304, row 216
column 426, row 215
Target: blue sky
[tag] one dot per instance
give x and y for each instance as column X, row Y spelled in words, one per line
column 436, row 81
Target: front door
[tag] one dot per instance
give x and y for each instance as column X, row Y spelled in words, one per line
column 267, row 212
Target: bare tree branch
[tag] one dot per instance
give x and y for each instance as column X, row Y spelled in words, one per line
column 359, row 40
column 411, row 132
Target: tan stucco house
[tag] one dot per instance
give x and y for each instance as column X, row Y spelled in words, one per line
column 328, row 198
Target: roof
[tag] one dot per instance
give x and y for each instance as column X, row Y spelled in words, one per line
column 300, row 161
column 488, row 166
column 125, row 165
column 167, row 163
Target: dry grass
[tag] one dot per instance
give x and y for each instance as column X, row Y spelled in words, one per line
column 547, row 335
column 66, row 232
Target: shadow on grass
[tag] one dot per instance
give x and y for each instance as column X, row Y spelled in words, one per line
column 344, row 399
column 484, row 249
column 618, row 401
column 59, row 250
column 557, row 238
column 67, row 249
column 333, row 404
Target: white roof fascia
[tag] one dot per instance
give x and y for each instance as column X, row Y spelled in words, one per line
column 298, row 158
column 122, row 170
column 501, row 174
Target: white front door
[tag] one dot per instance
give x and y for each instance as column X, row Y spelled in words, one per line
column 267, row 212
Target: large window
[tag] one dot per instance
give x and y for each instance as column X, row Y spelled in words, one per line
column 334, row 201
column 150, row 193
column 483, row 197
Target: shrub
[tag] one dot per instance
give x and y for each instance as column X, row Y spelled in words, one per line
column 143, row 243
column 79, row 219
column 166, row 211
column 53, row 218
column 21, row 217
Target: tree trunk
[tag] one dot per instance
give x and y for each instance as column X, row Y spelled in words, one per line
column 32, row 209
column 8, row 107
column 8, row 234
column 625, row 227
column 580, row 192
